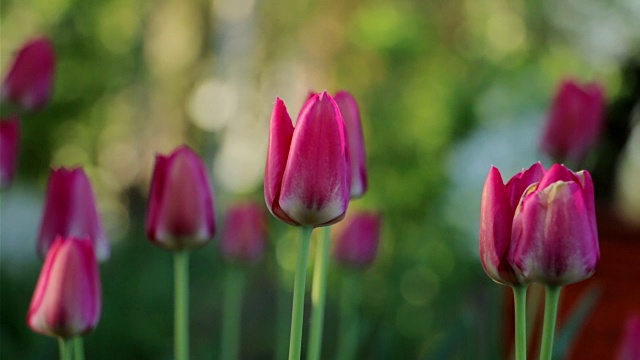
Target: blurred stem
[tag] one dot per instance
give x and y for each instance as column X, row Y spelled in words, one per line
column 78, row 348
column 552, row 296
column 520, row 306
column 319, row 294
column 297, row 312
column 65, row 349
column 284, row 313
column 232, row 311
column 349, row 325
column 181, row 310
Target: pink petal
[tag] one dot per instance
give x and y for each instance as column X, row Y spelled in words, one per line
column 9, row 148
column 357, row 155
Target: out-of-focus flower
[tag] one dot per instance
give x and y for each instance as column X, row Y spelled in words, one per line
column 575, row 120
column 29, row 83
column 244, row 238
column 356, row 245
column 9, row 144
column 555, row 239
column 499, row 202
column 70, row 210
column 629, row 348
column 67, row 298
column 357, row 155
column 307, row 175
column 180, row 213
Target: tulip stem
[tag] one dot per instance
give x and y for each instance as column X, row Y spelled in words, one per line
column 520, row 305
column 232, row 313
column 297, row 312
column 319, row 295
column 65, row 349
column 552, row 297
column 181, row 314
column 78, row 348
column 349, row 300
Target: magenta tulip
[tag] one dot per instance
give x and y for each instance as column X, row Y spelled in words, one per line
column 67, row 298
column 499, row 202
column 555, row 239
column 29, row 83
column 244, row 238
column 180, row 213
column 307, row 175
column 575, row 120
column 357, row 155
column 629, row 348
column 9, row 144
column 70, row 210
column 356, row 244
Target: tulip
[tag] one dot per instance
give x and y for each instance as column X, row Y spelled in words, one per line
column 575, row 120
column 70, row 210
column 180, row 212
column 307, row 174
column 356, row 245
column 357, row 155
column 67, row 298
column 245, row 235
column 9, row 143
column 29, row 83
column 629, row 348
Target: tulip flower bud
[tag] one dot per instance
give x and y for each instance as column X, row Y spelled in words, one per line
column 67, row 298
column 180, row 212
column 70, row 210
column 9, row 143
column 629, row 348
column 575, row 121
column 245, row 234
column 307, row 175
column 357, row 155
column 356, row 245
column 29, row 83
column 555, row 240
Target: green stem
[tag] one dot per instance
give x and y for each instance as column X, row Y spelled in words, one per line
column 181, row 310
column 78, row 348
column 552, row 297
column 520, row 305
column 65, row 349
column 284, row 319
column 297, row 312
column 349, row 301
column 232, row 313
column 319, row 295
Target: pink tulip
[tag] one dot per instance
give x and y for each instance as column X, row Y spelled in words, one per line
column 555, row 240
column 70, row 210
column 307, row 175
column 67, row 298
column 180, row 212
column 9, row 143
column 357, row 243
column 499, row 202
column 245, row 234
column 629, row 348
column 357, row 155
column 575, row 120
column 29, row 83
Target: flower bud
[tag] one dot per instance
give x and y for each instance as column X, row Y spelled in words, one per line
column 244, row 238
column 356, row 245
column 357, row 155
column 9, row 144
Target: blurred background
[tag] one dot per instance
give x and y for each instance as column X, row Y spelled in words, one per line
column 445, row 88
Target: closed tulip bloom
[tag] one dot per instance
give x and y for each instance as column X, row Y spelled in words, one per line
column 29, row 83
column 629, row 348
column 9, row 144
column 357, row 155
column 67, row 298
column 70, row 210
column 245, row 234
column 180, row 213
column 554, row 229
column 307, row 175
column 499, row 202
column 575, row 120
column 356, row 245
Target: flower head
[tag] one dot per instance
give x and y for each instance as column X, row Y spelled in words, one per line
column 357, row 243
column 357, row 155
column 9, row 143
column 244, row 238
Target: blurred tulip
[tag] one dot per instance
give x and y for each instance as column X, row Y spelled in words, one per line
column 9, row 144
column 29, row 83
column 307, row 175
column 499, row 202
column 356, row 244
column 629, row 348
column 245, row 235
column 70, row 210
column 67, row 298
column 555, row 240
column 180, row 212
column 575, row 121
column 357, row 155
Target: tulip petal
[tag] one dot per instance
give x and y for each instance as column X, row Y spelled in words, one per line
column 520, row 182
column 9, row 147
column 357, row 155
column 357, row 242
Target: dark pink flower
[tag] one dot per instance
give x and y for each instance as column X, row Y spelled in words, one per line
column 357, row 155
column 629, row 348
column 244, row 238
column 9, row 144
column 356, row 245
